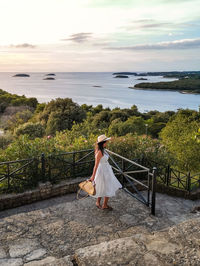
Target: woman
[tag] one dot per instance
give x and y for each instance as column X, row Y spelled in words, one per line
column 103, row 176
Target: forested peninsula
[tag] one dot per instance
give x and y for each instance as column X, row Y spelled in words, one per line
column 185, row 84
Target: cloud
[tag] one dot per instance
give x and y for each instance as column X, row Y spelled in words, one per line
column 154, row 24
column 148, row 23
column 23, row 45
column 178, row 44
column 108, row 3
column 79, row 37
column 103, row 44
column 132, row 3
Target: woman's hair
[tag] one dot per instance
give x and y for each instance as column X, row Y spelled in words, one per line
column 99, row 147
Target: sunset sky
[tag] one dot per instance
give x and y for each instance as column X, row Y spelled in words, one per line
column 99, row 35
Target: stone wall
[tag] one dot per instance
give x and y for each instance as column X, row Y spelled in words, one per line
column 43, row 191
column 172, row 191
column 47, row 190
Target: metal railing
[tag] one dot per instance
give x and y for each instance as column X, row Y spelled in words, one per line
column 135, row 174
column 67, row 165
column 171, row 177
column 134, row 178
column 20, row 175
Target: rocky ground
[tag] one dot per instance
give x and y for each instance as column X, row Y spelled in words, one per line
column 64, row 231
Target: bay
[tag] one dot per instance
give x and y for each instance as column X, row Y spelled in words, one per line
column 113, row 92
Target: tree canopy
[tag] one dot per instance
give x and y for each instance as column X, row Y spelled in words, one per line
column 60, row 114
column 178, row 137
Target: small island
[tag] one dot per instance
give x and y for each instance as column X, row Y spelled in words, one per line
column 121, row 76
column 142, row 79
column 22, row 75
column 97, row 86
column 50, row 74
column 49, row 78
column 125, row 73
column 191, row 84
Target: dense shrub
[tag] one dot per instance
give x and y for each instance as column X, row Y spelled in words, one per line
column 134, row 125
column 5, row 140
column 33, row 130
column 102, row 119
column 178, row 137
column 23, row 147
column 60, row 114
column 130, row 146
column 16, row 119
column 133, row 146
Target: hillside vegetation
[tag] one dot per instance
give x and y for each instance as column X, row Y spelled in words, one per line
column 61, row 125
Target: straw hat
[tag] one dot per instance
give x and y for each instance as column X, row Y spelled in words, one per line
column 102, row 138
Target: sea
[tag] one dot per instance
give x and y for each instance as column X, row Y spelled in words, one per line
column 95, row 88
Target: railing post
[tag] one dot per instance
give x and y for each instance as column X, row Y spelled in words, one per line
column 148, row 192
column 73, row 166
column 8, row 175
column 43, row 166
column 168, row 174
column 199, row 181
column 153, row 196
column 123, row 168
column 189, row 182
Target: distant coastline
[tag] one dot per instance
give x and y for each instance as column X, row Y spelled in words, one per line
column 112, row 93
column 165, row 74
column 187, row 83
column 191, row 86
column 158, row 89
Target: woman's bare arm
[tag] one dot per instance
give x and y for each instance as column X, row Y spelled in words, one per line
column 97, row 160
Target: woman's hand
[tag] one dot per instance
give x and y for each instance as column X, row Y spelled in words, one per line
column 91, row 179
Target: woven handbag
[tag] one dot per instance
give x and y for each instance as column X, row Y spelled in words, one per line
column 88, row 187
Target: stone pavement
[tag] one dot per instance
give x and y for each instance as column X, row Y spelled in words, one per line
column 178, row 245
column 64, row 231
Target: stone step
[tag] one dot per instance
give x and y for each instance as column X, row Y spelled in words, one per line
column 48, row 261
column 50, row 231
column 178, row 245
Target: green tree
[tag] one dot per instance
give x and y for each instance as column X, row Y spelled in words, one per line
column 40, row 107
column 118, row 114
column 197, row 136
column 5, row 140
column 134, row 125
column 18, row 119
column 178, row 137
column 102, row 119
column 33, row 130
column 60, row 114
column 155, row 128
column 98, row 109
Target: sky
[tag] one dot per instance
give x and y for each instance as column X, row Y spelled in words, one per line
column 99, row 35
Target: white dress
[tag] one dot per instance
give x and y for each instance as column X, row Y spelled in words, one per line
column 105, row 180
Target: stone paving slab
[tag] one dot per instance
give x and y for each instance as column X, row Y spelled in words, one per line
column 11, row 262
column 51, row 261
column 178, row 245
column 46, row 232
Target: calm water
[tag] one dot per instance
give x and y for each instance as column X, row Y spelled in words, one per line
column 114, row 92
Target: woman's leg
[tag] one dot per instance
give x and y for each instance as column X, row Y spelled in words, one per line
column 98, row 202
column 105, row 202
